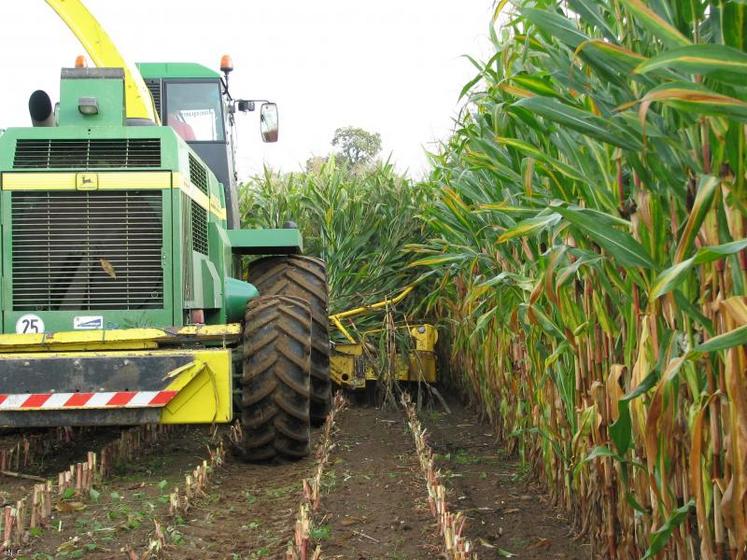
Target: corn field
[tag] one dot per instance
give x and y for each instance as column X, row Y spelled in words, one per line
column 358, row 222
column 581, row 239
column 588, row 254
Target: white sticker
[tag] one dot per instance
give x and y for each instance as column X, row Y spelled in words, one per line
column 29, row 324
column 88, row 322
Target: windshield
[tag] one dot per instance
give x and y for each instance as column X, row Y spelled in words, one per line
column 194, row 111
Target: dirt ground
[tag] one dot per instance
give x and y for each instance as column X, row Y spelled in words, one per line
column 373, row 506
column 507, row 515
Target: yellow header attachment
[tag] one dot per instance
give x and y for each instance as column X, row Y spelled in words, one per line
column 103, row 53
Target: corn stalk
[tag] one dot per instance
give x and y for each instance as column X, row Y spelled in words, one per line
column 589, row 251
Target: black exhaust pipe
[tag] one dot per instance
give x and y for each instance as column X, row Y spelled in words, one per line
column 40, row 109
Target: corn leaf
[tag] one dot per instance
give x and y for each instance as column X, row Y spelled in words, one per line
column 736, row 337
column 581, row 121
column 701, row 206
column 619, row 245
column 670, row 278
column 530, row 226
column 554, row 24
column 700, row 59
column 655, row 23
column 621, row 430
column 695, row 98
column 660, row 537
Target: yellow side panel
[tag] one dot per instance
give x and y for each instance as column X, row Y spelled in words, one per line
column 205, row 391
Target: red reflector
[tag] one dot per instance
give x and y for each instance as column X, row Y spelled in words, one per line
column 2, row 398
column 78, row 399
column 35, row 401
column 121, row 399
column 162, row 398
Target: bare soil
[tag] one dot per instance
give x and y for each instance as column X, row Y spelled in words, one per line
column 507, row 513
column 374, row 504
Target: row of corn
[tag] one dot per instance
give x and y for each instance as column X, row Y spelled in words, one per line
column 589, row 263
column 301, row 547
column 450, row 524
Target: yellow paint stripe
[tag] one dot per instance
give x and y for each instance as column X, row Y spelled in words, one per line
column 114, row 180
column 211, row 204
column 115, row 336
column 67, row 181
column 216, row 209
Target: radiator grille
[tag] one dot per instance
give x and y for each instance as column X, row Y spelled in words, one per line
column 197, row 174
column 87, row 250
column 87, row 154
column 154, row 86
column 187, row 257
column 199, row 228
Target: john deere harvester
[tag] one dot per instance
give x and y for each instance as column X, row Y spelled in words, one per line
column 122, row 298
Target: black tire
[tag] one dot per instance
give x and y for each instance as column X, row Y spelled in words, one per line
column 305, row 278
column 275, row 380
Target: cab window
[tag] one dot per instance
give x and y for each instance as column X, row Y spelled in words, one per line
column 194, row 111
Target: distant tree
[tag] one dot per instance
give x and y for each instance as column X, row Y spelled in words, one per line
column 356, row 147
column 314, row 163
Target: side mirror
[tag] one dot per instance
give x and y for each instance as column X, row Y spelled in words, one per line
column 268, row 122
column 245, row 105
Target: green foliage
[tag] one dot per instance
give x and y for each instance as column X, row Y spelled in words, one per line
column 359, row 223
column 587, row 248
column 356, row 147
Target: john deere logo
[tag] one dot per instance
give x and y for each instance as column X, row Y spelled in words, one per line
column 87, row 181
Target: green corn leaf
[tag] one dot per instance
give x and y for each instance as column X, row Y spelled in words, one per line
column 655, row 24
column 620, row 245
column 596, row 452
column 670, row 278
column 617, row 56
column 581, row 121
column 530, row 226
column 556, row 25
column 535, row 84
column 697, row 99
column 588, row 10
column 532, row 151
column 632, row 502
column 621, row 430
column 701, row 206
column 736, row 337
column 726, row 62
column 432, row 261
column 660, row 537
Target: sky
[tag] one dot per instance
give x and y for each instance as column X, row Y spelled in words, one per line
column 395, row 67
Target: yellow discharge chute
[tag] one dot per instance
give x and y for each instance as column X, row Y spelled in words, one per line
column 103, row 53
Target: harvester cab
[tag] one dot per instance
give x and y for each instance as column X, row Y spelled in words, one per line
column 121, row 297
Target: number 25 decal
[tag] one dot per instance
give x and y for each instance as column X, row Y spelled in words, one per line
column 29, row 324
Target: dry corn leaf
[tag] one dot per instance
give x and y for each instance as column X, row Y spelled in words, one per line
column 67, row 507
column 107, row 267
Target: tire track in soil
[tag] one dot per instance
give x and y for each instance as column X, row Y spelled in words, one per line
column 374, row 506
column 503, row 510
column 249, row 512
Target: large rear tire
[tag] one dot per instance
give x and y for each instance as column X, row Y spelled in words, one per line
column 305, row 278
column 275, row 381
